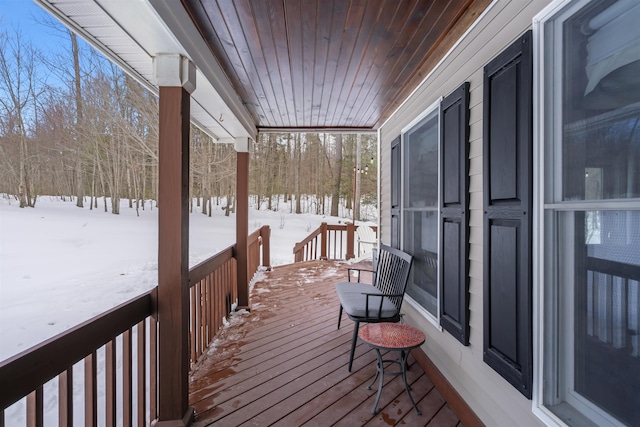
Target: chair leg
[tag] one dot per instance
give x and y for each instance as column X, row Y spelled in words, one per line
column 340, row 316
column 353, row 343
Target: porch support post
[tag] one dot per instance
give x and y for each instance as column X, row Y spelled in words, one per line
column 242, row 221
column 175, row 76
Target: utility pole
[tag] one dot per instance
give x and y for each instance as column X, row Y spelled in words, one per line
column 357, row 186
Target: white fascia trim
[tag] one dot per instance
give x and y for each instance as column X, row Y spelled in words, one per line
column 96, row 44
column 180, row 25
column 113, row 57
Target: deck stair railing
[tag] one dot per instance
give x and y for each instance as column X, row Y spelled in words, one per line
column 116, row 352
column 329, row 241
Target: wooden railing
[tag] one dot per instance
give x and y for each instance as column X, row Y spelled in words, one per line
column 259, row 239
column 214, row 289
column 336, row 242
column 131, row 326
column 94, row 345
column 611, row 299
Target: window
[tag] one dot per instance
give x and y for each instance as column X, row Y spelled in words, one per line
column 590, row 163
column 420, row 203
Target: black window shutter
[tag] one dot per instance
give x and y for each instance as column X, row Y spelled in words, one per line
column 396, row 162
column 454, row 214
column 507, row 157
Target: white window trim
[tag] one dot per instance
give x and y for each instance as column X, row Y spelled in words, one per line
column 435, row 106
column 428, row 316
column 539, row 184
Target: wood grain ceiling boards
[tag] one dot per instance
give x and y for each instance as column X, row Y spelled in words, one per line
column 329, row 64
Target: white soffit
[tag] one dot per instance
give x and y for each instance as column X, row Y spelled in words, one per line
column 130, row 33
column 179, row 24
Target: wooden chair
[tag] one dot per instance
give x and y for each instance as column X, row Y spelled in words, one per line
column 366, row 241
column 381, row 301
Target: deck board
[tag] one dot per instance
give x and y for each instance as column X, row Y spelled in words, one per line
column 285, row 363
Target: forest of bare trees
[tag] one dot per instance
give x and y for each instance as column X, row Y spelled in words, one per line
column 73, row 125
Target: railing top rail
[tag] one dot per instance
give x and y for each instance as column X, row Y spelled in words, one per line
column 26, row 371
column 200, row 271
column 309, row 238
column 254, row 236
column 336, row 227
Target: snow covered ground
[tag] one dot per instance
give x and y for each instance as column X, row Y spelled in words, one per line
column 61, row 265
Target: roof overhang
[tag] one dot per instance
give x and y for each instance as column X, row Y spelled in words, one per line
column 279, row 65
column 131, row 33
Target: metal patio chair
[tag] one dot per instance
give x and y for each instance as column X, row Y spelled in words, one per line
column 381, row 301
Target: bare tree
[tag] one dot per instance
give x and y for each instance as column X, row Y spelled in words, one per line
column 19, row 92
column 359, row 170
column 337, row 175
column 298, row 167
column 79, row 175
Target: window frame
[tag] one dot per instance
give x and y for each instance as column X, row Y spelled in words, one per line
column 434, row 107
column 552, row 219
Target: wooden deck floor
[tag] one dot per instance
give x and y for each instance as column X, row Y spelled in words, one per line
column 285, row 364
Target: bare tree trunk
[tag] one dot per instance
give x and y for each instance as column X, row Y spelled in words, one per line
column 129, row 188
column 23, row 185
column 93, row 198
column 79, row 176
column 287, row 192
column 298, row 168
column 337, row 175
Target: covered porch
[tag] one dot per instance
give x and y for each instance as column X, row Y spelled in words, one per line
column 210, row 64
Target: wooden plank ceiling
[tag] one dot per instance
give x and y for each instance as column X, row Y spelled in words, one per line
column 329, row 64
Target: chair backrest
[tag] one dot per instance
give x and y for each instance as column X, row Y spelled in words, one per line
column 366, row 234
column 366, row 239
column 392, row 272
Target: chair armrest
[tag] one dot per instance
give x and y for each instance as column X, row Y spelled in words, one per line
column 369, row 294
column 359, row 270
column 373, row 242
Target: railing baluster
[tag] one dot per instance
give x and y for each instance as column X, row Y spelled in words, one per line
column 233, row 273
column 35, row 416
column 65, row 396
column 142, row 377
column 201, row 340
column 153, row 369
column 110, row 382
column 90, row 390
column 213, row 301
column 205, row 313
column 219, row 301
column 127, row 379
column 192, row 338
column 618, row 315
